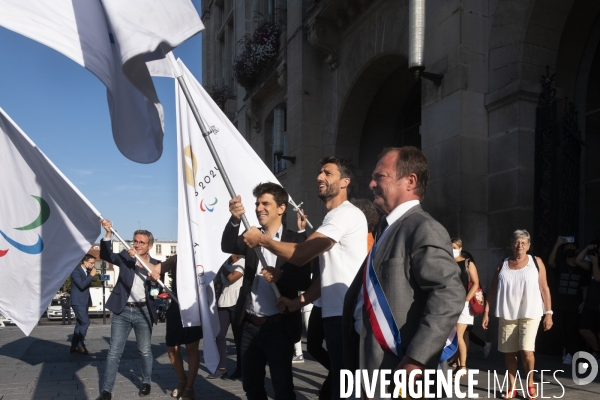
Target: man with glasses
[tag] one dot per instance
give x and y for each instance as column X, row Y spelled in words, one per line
column 81, row 280
column 132, row 306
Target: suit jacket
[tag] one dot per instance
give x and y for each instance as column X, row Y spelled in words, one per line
column 293, row 277
column 80, row 287
column 120, row 293
column 421, row 282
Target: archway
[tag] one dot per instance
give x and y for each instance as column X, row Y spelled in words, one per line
column 382, row 109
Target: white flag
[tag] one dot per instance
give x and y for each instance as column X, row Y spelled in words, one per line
column 204, row 203
column 37, row 257
column 113, row 39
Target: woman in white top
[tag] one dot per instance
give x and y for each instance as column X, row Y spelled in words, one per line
column 522, row 297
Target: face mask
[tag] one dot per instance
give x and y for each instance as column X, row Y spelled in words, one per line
column 456, row 253
column 154, row 292
column 570, row 253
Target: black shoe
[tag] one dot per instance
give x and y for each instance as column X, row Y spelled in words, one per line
column 106, row 395
column 145, row 390
column 69, row 323
column 237, row 374
column 64, row 323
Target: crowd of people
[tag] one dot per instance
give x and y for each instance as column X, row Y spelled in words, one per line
column 379, row 285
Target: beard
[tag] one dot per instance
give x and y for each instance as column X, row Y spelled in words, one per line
column 330, row 192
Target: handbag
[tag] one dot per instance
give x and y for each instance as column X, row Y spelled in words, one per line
column 477, row 302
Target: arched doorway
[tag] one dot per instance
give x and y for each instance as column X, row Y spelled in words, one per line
column 382, row 109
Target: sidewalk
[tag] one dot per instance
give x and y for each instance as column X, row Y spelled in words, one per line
column 40, row 367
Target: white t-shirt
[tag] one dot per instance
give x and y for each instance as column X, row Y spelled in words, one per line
column 347, row 225
column 231, row 291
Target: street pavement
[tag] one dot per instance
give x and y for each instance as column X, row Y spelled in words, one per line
column 41, row 367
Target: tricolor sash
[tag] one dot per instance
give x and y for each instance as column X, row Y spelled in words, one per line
column 382, row 320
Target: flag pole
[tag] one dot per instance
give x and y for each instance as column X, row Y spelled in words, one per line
column 171, row 294
column 215, row 155
column 299, row 211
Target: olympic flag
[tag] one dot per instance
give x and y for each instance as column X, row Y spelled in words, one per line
column 113, row 39
column 204, row 204
column 37, row 257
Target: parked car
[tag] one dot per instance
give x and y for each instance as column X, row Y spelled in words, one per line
column 54, row 310
column 6, row 320
column 96, row 307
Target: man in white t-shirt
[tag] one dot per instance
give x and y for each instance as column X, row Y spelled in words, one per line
column 341, row 245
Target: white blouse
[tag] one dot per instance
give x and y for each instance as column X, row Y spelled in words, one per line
column 519, row 294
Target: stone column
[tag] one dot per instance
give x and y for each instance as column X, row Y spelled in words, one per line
column 454, row 122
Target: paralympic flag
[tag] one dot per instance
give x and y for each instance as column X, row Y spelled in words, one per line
column 46, row 227
column 113, row 39
column 204, row 203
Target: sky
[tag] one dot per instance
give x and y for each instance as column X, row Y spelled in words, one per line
column 62, row 107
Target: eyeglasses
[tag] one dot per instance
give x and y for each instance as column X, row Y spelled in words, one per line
column 138, row 242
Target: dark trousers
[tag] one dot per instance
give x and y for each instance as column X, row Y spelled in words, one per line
column 568, row 328
column 335, row 347
column 262, row 345
column 81, row 326
column 225, row 318
column 66, row 314
column 314, row 344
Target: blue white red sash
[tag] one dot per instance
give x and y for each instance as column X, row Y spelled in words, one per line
column 383, row 325
column 382, row 320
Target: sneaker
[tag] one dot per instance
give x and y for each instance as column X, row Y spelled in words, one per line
column 568, row 360
column 219, row 374
column 486, row 349
column 298, row 359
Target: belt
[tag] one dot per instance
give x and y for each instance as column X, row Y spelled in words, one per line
column 258, row 321
column 143, row 304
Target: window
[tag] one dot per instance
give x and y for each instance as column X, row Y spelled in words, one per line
column 173, row 249
column 158, row 249
column 281, row 164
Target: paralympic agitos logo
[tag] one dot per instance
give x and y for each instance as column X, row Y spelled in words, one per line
column 37, row 247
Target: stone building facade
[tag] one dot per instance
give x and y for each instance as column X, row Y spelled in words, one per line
column 499, row 143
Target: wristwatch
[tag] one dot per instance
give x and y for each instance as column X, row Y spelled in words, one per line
column 549, row 312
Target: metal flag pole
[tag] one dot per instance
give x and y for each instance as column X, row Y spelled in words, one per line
column 299, row 211
column 215, row 155
column 143, row 264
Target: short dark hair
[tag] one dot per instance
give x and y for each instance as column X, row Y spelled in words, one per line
column 344, row 166
column 145, row 233
column 88, row 256
column 411, row 161
column 279, row 194
column 368, row 208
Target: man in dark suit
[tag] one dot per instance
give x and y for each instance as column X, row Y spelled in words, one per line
column 412, row 259
column 132, row 306
column 81, row 280
column 267, row 336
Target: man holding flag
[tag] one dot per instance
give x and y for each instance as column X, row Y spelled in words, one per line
column 132, row 306
column 268, row 337
column 341, row 245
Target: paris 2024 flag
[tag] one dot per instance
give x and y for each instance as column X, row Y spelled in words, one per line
column 204, row 204
column 46, row 227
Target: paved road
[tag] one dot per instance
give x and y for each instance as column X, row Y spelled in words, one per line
column 40, row 367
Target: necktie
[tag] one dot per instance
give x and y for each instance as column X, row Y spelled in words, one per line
column 383, row 224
